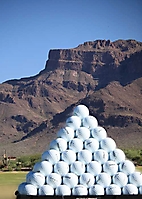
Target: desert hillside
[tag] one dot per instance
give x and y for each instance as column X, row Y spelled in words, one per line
column 106, row 76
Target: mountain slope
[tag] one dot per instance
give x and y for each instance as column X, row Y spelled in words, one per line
column 104, row 75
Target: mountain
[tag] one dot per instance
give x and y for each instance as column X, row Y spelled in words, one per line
column 106, row 76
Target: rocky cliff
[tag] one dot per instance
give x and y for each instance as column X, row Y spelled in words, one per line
column 104, row 75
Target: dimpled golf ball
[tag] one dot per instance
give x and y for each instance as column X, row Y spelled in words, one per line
column 27, row 189
column 94, row 168
column 77, row 167
column 117, row 155
column 70, row 179
column 79, row 190
column 91, row 144
column 103, row 179
column 35, row 178
column 98, row 133
column 61, row 168
column 90, row 122
column 73, row 122
column 85, row 156
column 59, row 144
column 43, row 167
column 135, row 178
column 83, row 133
column 46, row 190
column 101, row 156
column 81, row 111
column 66, row 133
column 120, row 179
column 127, row 167
column 54, row 180
column 130, row 189
column 113, row 189
column 63, row 190
column 87, row 179
column 76, row 145
column 53, row 156
column 110, row 167
column 68, row 156
column 108, row 144
column 96, row 190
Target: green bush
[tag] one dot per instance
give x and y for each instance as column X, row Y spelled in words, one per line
column 134, row 155
column 29, row 161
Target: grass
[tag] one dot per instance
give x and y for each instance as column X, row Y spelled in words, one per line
column 139, row 168
column 9, row 182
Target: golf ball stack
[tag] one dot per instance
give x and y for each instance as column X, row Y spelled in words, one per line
column 82, row 161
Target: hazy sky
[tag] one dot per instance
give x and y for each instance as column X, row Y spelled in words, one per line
column 30, row 28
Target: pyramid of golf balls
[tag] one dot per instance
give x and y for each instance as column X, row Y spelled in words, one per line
column 82, row 160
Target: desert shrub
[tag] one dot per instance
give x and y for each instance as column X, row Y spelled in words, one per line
column 134, row 155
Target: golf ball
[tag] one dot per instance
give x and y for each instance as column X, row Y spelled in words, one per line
column 91, row 144
column 90, row 122
column 81, row 111
column 74, row 122
column 99, row 133
column 66, row 133
column 59, row 144
column 108, row 144
column 53, row 156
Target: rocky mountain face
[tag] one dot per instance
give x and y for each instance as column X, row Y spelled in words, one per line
column 106, row 76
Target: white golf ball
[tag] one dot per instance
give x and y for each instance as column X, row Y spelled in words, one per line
column 113, row 189
column 76, row 145
column 127, row 167
column 96, row 190
column 94, row 168
column 83, row 133
column 77, row 167
column 35, row 178
column 85, row 156
column 130, row 189
column 59, row 144
column 81, row 111
column 91, row 144
column 70, row 179
column 120, row 179
column 54, row 180
column 87, row 179
column 43, row 167
column 68, row 156
column 79, row 190
column 46, row 190
column 53, row 156
column 27, row 189
column 110, row 167
column 101, row 156
column 108, row 144
column 63, row 190
column 74, row 122
column 98, row 133
column 61, row 168
column 103, row 179
column 90, row 122
column 66, row 133
column 117, row 156
column 135, row 178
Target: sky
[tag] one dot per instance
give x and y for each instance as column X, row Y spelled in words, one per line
column 30, row 28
